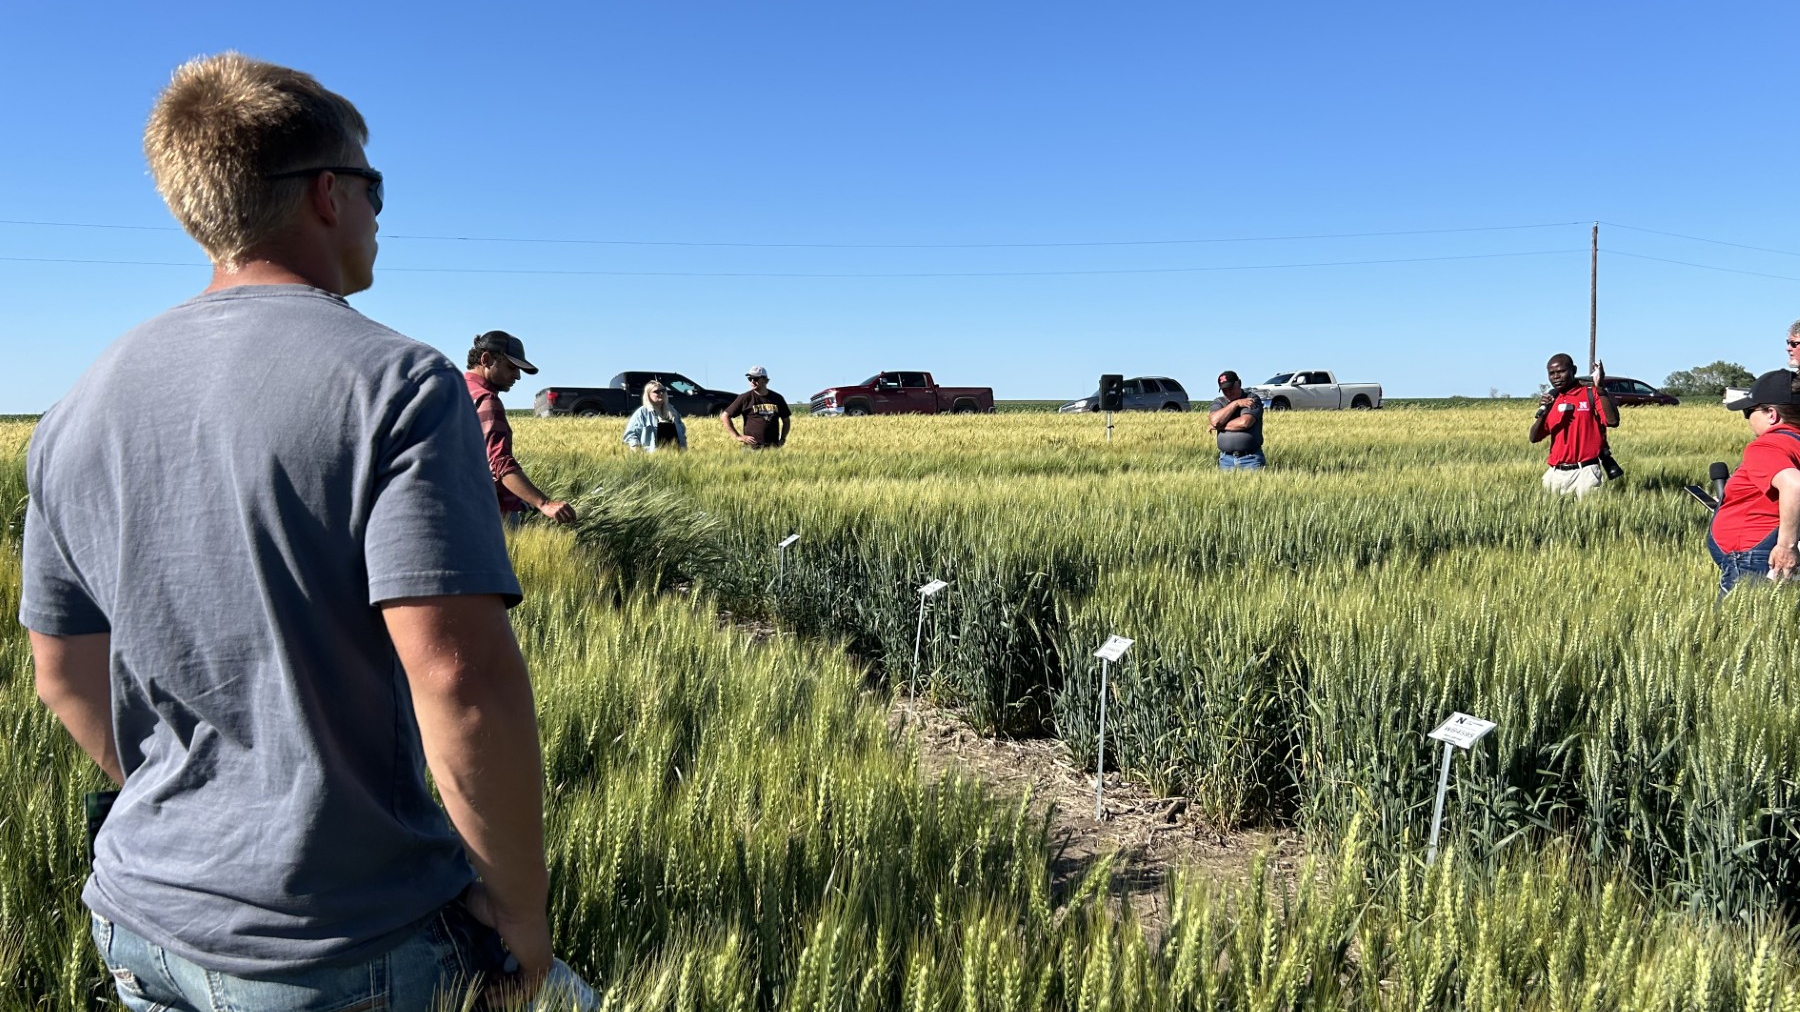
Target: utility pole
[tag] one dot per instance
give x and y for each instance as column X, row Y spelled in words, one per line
column 1594, row 301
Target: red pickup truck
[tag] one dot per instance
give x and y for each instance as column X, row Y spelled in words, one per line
column 902, row 393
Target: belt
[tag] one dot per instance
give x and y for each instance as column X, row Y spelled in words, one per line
column 1576, row 467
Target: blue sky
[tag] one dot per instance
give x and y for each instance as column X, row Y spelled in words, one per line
column 890, row 141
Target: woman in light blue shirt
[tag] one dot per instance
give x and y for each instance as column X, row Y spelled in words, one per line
column 657, row 423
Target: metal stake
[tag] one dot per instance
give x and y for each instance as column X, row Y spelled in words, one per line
column 912, row 690
column 1100, row 757
column 781, row 562
column 1109, row 426
column 1437, row 813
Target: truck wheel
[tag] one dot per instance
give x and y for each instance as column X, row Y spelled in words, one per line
column 1361, row 403
column 1279, row 404
column 963, row 408
column 1171, row 406
column 856, row 410
column 587, row 411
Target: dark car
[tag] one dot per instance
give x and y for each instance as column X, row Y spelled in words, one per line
column 1142, row 393
column 1629, row 393
column 685, row 395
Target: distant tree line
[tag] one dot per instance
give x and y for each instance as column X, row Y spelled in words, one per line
column 1707, row 380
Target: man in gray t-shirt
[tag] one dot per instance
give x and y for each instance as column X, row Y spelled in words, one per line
column 1237, row 417
column 265, row 587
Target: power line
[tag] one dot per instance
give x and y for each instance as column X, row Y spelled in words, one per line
column 921, row 274
column 825, row 245
column 1704, row 267
column 1701, row 238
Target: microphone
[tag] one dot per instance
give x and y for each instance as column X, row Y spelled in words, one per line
column 1718, row 472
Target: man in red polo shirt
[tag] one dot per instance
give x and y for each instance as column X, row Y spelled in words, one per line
column 495, row 362
column 1575, row 418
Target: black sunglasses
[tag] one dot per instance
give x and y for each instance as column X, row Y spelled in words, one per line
column 374, row 178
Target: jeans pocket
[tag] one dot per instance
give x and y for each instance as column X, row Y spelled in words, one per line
column 124, row 978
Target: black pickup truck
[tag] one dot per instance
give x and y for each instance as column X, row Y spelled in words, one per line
column 625, row 392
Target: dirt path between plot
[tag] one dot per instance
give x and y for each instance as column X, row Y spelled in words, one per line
column 1151, row 835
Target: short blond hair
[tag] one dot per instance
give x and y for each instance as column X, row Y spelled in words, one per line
column 224, row 125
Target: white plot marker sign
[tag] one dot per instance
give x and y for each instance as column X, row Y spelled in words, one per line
column 1110, row 652
column 1460, row 731
column 781, row 560
column 912, row 690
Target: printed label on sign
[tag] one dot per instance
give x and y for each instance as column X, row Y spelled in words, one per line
column 790, row 539
column 1462, row 730
column 932, row 588
column 1114, row 648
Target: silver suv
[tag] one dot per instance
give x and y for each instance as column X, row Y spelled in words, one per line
column 1142, row 393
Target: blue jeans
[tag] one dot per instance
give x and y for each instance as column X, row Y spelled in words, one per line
column 433, row 968
column 1750, row 564
column 1240, row 461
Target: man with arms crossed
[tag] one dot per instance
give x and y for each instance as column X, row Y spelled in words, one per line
column 495, row 362
column 1237, row 417
column 1576, row 418
column 765, row 413
column 263, row 624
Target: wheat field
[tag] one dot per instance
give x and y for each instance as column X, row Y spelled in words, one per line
column 735, row 824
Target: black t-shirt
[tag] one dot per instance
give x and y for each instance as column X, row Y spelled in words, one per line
column 762, row 414
column 665, row 434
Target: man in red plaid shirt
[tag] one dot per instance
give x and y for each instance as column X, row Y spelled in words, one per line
column 495, row 362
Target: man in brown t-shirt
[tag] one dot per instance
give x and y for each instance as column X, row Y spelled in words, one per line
column 765, row 413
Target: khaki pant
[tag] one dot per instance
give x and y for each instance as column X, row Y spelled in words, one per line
column 1580, row 481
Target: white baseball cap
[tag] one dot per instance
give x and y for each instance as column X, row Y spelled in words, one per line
column 756, row 372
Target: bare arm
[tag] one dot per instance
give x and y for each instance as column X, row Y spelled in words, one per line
column 1784, row 560
column 1242, row 423
column 1539, row 424
column 472, row 697
column 74, row 680
column 725, row 420
column 521, row 486
column 1216, row 419
column 1609, row 411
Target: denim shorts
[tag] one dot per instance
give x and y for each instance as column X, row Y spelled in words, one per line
column 1750, row 564
column 432, row 968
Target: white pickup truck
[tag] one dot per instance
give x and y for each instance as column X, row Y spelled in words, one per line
column 1315, row 389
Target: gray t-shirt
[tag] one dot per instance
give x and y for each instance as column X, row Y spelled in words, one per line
column 229, row 491
column 1247, row 441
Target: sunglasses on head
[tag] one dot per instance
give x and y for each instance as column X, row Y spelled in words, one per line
column 374, row 178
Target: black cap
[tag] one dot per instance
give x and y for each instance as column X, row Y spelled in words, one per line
column 1776, row 387
column 500, row 342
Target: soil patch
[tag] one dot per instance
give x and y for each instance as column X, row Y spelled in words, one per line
column 1150, row 835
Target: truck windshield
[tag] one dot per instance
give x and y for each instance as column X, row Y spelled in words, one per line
column 1278, row 379
column 871, row 381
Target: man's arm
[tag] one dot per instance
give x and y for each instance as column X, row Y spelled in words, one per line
column 472, row 697
column 1540, row 425
column 1217, row 419
column 521, row 486
column 74, row 680
column 1242, row 423
column 787, row 421
column 1609, row 413
column 731, row 428
column 1784, row 560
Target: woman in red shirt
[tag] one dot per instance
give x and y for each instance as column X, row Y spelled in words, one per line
column 1754, row 532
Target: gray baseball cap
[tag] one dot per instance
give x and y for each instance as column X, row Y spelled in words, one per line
column 500, row 342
